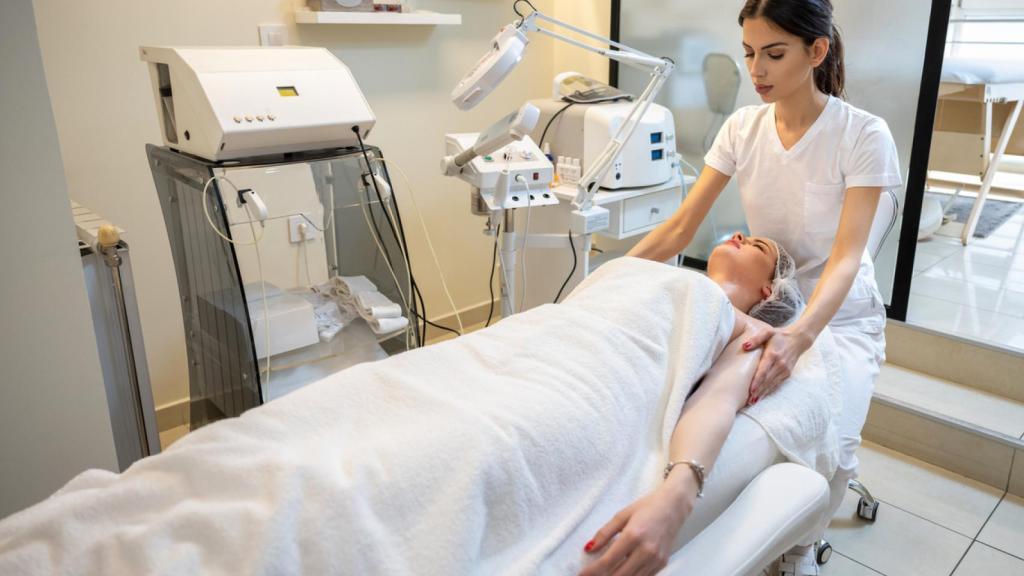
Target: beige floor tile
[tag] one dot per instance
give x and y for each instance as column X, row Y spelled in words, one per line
column 897, row 543
column 168, row 437
column 950, row 500
column 961, row 402
column 840, row 565
column 982, row 560
column 1005, row 530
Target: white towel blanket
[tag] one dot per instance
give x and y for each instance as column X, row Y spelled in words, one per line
column 802, row 415
column 500, row 452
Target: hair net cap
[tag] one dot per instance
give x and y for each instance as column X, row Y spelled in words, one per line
column 785, row 301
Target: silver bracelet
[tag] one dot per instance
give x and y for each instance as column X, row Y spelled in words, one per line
column 698, row 471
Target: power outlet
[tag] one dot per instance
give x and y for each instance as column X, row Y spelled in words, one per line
column 272, row 34
column 295, row 233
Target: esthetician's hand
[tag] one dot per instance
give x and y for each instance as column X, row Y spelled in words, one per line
column 782, row 348
column 644, row 532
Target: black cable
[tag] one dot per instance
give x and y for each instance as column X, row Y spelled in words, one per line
column 490, row 285
column 387, row 218
column 415, row 286
column 572, row 247
column 515, row 8
column 418, row 308
column 557, row 114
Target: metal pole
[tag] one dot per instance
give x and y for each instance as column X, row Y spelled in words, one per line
column 109, row 240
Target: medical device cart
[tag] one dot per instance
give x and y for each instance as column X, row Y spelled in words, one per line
column 322, row 218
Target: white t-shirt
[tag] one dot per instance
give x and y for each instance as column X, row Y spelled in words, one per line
column 795, row 196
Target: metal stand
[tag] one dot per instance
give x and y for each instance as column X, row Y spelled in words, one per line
column 867, row 508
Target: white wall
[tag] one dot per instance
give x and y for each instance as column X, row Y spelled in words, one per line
column 104, row 111
column 53, row 414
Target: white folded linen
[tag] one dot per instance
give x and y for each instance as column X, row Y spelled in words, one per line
column 377, row 306
column 348, row 287
column 387, row 325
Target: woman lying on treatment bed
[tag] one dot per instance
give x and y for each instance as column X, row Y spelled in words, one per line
column 500, row 452
column 757, row 276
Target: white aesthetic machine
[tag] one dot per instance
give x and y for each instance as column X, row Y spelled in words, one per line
column 505, row 164
column 271, row 199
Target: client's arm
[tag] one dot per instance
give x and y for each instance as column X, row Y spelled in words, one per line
column 647, row 528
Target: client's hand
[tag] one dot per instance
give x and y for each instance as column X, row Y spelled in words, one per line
column 646, row 531
column 782, row 348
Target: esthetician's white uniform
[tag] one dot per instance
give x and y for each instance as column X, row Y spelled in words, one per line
column 795, row 197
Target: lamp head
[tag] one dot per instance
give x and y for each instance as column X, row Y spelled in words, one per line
column 507, row 50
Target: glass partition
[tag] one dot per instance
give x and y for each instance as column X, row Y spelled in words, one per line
column 254, row 287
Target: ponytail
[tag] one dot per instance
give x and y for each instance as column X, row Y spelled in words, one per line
column 830, row 75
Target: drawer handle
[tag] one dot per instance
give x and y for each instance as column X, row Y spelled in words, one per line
column 655, row 210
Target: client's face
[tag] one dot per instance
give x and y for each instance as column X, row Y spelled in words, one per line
column 744, row 266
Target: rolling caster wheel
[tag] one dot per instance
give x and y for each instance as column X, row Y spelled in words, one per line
column 824, row 552
column 867, row 511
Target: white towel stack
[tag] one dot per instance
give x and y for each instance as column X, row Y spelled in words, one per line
column 360, row 295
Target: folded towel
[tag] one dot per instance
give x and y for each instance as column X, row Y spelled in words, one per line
column 348, row 287
column 376, row 305
column 387, row 325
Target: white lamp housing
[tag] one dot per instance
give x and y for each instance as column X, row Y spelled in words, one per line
column 507, row 51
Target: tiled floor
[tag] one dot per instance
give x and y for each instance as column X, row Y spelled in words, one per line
column 975, row 292
column 931, row 522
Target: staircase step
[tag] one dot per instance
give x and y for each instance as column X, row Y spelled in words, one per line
column 976, row 365
column 969, row 431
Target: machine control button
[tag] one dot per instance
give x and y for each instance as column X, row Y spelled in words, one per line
column 271, row 117
column 237, row 119
column 248, row 118
column 259, row 117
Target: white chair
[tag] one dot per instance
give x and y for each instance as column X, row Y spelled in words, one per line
column 780, row 507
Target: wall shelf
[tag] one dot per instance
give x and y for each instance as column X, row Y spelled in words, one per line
column 419, row 17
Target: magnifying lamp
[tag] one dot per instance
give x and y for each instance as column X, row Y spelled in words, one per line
column 507, row 51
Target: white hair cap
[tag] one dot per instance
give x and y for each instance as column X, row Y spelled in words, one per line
column 785, row 302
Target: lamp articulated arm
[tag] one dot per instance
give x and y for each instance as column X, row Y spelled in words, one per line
column 660, row 69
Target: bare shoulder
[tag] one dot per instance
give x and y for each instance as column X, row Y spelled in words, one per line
column 746, row 324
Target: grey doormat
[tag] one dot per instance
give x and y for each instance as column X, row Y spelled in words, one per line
column 993, row 215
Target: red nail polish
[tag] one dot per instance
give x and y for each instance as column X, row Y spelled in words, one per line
column 589, row 546
column 746, row 345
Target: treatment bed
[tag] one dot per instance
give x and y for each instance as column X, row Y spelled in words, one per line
column 976, row 123
column 500, row 452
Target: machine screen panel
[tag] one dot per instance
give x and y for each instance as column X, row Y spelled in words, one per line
column 287, row 91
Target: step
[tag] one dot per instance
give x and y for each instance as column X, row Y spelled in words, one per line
column 981, row 366
column 972, row 432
